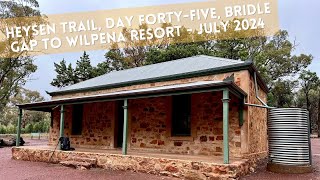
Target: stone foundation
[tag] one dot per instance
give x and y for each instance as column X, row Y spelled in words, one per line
column 188, row 169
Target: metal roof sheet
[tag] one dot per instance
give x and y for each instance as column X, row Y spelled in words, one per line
column 165, row 69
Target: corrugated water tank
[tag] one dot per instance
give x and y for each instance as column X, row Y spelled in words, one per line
column 289, row 140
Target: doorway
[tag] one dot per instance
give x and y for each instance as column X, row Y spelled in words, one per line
column 119, row 118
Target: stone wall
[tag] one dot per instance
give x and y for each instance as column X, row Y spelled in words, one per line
column 185, row 169
column 97, row 125
column 258, row 137
column 150, row 127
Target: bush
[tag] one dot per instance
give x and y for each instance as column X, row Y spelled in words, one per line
column 29, row 128
column 39, row 127
column 3, row 129
column 10, row 129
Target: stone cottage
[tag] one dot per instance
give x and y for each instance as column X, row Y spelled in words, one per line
column 197, row 107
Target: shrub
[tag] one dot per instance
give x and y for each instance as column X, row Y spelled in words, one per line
column 3, row 129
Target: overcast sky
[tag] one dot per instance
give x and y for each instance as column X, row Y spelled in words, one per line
column 300, row 18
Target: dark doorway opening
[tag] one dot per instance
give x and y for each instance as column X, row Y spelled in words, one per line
column 119, row 118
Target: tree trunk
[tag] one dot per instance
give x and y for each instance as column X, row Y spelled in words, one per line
column 308, row 109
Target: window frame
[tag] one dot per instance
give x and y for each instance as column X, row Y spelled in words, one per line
column 176, row 106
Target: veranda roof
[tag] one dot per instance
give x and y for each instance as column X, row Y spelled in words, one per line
column 187, row 88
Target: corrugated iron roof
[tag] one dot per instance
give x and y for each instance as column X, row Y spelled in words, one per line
column 175, row 68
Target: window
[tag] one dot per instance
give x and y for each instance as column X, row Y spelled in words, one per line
column 77, row 116
column 181, row 110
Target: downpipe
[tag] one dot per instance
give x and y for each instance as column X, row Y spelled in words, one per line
column 265, row 105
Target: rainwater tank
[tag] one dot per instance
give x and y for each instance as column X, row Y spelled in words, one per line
column 289, row 140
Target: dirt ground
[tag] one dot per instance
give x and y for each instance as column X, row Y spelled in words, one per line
column 16, row 170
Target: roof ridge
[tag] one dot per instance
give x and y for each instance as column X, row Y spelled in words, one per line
column 175, row 60
column 222, row 59
column 148, row 65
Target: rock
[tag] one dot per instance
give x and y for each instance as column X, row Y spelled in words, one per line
column 203, row 139
column 160, row 143
column 223, row 169
column 218, row 149
column 177, row 175
column 194, row 175
column 171, row 168
column 219, row 138
column 154, row 142
column 177, row 143
column 12, row 141
column 157, row 167
column 195, row 165
column 82, row 168
column 76, row 164
column 164, row 173
column 92, row 161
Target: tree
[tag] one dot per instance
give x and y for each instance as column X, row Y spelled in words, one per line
column 308, row 82
column 135, row 53
column 282, row 94
column 67, row 75
column 10, row 113
column 272, row 56
column 15, row 70
column 176, row 51
column 276, row 59
column 84, row 69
